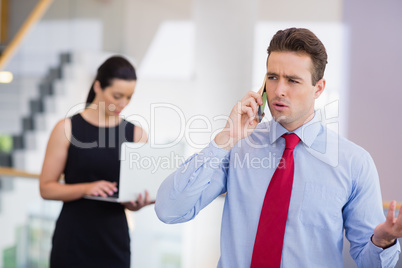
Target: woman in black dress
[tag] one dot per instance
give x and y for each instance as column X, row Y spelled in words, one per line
column 85, row 147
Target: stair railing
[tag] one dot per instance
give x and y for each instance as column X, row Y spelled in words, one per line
column 32, row 19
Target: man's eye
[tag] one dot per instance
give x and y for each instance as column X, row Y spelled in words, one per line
column 271, row 77
column 293, row 81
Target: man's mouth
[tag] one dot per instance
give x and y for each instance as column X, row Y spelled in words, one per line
column 279, row 106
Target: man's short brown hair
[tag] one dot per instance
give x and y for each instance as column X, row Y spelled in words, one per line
column 301, row 40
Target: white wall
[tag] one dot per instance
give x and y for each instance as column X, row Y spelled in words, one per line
column 109, row 13
column 375, row 85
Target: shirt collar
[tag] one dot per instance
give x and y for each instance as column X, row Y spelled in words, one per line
column 307, row 132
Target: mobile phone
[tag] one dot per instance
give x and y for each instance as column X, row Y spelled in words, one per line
column 261, row 108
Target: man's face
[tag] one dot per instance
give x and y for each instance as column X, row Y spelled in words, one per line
column 290, row 92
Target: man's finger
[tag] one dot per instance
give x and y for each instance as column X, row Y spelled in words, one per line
column 391, row 211
column 250, row 102
column 263, row 85
column 248, row 110
column 254, row 95
column 400, row 213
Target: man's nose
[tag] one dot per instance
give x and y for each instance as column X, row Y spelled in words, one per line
column 281, row 88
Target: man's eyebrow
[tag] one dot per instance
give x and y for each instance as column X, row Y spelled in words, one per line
column 289, row 76
column 294, row 77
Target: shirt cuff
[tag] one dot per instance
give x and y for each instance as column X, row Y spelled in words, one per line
column 216, row 150
column 387, row 256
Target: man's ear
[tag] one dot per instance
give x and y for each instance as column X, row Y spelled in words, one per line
column 319, row 88
column 97, row 87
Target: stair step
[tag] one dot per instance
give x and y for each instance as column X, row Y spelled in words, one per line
column 36, row 140
column 10, row 123
column 29, row 160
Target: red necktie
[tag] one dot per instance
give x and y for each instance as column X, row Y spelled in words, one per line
column 268, row 242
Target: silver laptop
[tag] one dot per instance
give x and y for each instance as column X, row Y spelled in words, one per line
column 144, row 167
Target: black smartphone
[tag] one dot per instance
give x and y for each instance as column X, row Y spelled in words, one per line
column 261, row 108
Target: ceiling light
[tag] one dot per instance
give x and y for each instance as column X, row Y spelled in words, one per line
column 6, row 77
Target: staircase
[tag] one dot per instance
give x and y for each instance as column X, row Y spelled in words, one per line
column 48, row 84
column 60, row 93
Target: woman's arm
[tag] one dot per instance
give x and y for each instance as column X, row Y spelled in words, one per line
column 140, row 135
column 54, row 164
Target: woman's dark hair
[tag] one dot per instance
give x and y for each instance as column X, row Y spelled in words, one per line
column 114, row 67
column 303, row 41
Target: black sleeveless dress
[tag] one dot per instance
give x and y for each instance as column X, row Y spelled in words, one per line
column 92, row 233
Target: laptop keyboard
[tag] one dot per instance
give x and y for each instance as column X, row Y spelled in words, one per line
column 115, row 194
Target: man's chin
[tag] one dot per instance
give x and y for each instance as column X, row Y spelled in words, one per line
column 280, row 118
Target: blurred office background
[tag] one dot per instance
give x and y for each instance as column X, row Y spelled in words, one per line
column 195, row 59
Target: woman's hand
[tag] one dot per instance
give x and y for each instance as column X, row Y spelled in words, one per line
column 139, row 203
column 101, row 188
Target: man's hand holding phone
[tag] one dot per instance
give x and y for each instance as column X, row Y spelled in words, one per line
column 243, row 119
